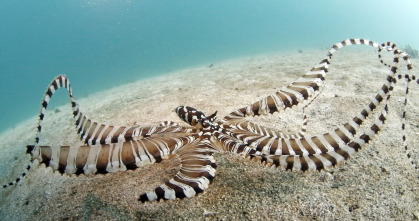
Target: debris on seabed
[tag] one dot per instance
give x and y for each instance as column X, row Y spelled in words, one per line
column 208, row 213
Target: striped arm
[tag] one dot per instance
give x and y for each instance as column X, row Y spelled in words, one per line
column 313, row 154
column 249, row 129
column 92, row 132
column 304, row 90
column 390, row 46
column 196, row 173
column 19, row 179
column 317, row 162
column 323, row 144
column 233, row 145
column 403, row 127
column 240, row 126
column 109, row 158
column 58, row 82
column 107, row 134
column 269, row 143
column 409, row 77
column 303, row 129
column 168, row 124
column 320, row 152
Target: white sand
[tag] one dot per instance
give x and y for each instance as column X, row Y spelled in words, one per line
column 377, row 183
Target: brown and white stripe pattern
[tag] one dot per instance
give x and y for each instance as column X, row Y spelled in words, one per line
column 316, row 152
column 196, row 173
column 333, row 150
column 109, row 158
column 118, row 148
column 271, row 143
column 319, row 152
column 302, row 91
column 92, row 132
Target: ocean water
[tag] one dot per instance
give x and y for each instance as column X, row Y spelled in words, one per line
column 100, row 44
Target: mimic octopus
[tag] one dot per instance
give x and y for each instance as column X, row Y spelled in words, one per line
column 110, row 148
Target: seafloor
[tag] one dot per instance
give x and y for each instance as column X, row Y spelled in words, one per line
column 379, row 182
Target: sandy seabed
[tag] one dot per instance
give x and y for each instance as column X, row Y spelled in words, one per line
column 379, row 182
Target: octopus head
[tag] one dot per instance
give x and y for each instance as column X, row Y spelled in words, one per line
column 195, row 118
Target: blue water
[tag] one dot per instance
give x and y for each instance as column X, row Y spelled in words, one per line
column 103, row 43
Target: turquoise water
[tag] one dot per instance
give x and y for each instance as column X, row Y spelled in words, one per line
column 103, row 43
